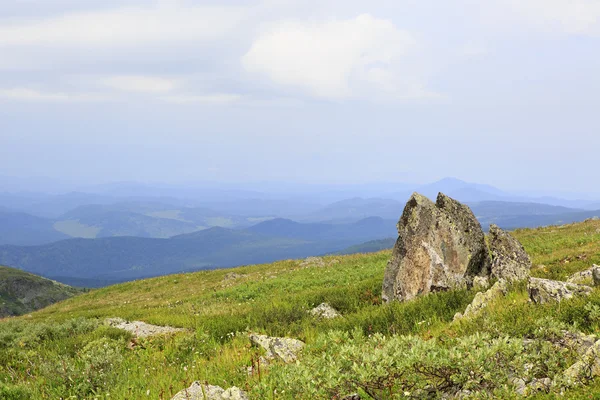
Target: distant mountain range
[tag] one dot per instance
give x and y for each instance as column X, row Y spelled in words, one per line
column 127, row 231
column 127, row 258
column 141, row 219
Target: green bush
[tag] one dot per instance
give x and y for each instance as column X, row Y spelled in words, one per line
column 381, row 367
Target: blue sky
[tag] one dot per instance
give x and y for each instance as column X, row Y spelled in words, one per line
column 504, row 92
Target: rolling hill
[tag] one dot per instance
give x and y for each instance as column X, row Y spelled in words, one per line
column 22, row 292
column 127, row 258
column 19, row 228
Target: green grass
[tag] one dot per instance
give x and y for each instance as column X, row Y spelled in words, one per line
column 46, row 355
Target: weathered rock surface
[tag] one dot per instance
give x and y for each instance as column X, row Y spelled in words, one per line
column 440, row 246
column 596, row 275
column 510, row 261
column 545, row 290
column 482, row 299
column 536, row 385
column 199, row 391
column 481, row 283
column 324, row 311
column 586, row 368
column 141, row 329
column 577, row 341
column 590, row 276
column 282, row 349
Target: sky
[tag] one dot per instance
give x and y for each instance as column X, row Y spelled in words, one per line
column 503, row 92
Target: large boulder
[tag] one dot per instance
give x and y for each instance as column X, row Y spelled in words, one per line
column 440, row 246
column 510, row 261
column 198, row 391
column 546, row 291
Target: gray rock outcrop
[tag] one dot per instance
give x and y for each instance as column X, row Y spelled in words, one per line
column 198, row 391
column 545, row 290
column 590, row 276
column 141, row 329
column 440, row 246
column 510, row 261
column 482, row 299
column 278, row 348
column 324, row 311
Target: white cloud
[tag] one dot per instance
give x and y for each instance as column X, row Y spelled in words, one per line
column 160, row 23
column 32, row 95
column 143, row 84
column 214, row 99
column 335, row 59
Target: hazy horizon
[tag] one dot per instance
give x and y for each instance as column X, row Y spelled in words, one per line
column 504, row 92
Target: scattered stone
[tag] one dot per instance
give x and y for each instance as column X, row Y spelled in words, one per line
column 590, row 276
column 545, row 290
column 510, row 261
column 232, row 276
column 440, row 246
column 482, row 299
column 281, row 349
column 324, row 311
column 582, row 277
column 577, row 341
column 199, row 391
column 481, row 283
column 588, row 367
column 596, row 275
column 353, row 396
column 141, row 329
column 536, row 385
column 313, row 262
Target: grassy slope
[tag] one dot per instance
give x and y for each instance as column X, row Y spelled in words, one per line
column 273, row 299
column 22, row 292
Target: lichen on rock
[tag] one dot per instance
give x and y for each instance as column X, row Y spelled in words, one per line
column 440, row 246
column 545, row 290
column 278, row 348
column 482, row 299
column 198, row 391
column 510, row 261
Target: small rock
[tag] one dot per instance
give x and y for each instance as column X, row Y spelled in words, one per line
column 141, row 329
column 577, row 341
column 324, row 311
column 313, row 262
column 232, row 276
column 596, row 275
column 588, row 367
column 582, row 277
column 482, row 299
column 282, row 349
column 590, row 276
column 198, row 391
column 510, row 261
column 353, row 396
column 545, row 290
